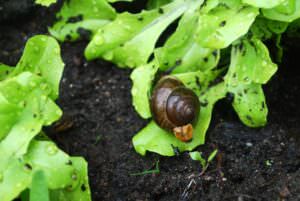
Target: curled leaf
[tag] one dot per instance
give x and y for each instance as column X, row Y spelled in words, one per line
column 286, row 12
column 142, row 78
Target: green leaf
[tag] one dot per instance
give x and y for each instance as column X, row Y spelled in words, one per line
column 153, row 138
column 212, row 155
column 151, row 4
column 27, row 94
column 222, row 25
column 265, row 3
column 24, row 108
column 142, row 79
column 24, row 196
column 277, row 27
column 82, row 190
column 265, row 29
column 260, row 29
column 5, row 70
column 41, row 155
column 26, row 99
column 250, row 67
column 197, row 156
column 41, row 56
column 250, row 104
column 39, row 189
column 113, row 1
column 181, row 49
column 130, row 39
column 45, row 2
column 78, row 15
column 287, row 12
column 250, row 63
column 198, row 81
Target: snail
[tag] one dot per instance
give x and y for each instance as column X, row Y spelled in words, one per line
column 175, row 107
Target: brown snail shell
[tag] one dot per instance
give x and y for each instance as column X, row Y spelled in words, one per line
column 174, row 107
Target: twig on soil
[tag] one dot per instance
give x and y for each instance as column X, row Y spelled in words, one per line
column 185, row 193
column 155, row 171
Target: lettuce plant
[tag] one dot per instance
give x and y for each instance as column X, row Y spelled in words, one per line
column 216, row 49
column 30, row 162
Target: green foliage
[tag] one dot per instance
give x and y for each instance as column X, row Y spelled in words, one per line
column 45, row 2
column 182, row 50
column 42, row 57
column 221, row 25
column 78, row 16
column 154, row 171
column 197, row 156
column 203, row 32
column 39, row 189
column 142, row 78
column 27, row 95
column 250, row 67
column 287, row 11
column 264, row 3
column 123, row 40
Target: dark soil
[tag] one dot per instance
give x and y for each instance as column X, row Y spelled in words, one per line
column 253, row 164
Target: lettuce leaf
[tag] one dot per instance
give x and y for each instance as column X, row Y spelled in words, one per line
column 81, row 17
column 250, row 104
column 79, row 192
column 27, row 95
column 151, row 4
column 250, row 67
column 41, row 57
column 131, row 38
column 182, row 51
column 45, row 2
column 142, row 79
column 39, row 190
column 286, row 12
column 265, row 3
column 5, row 70
column 58, row 167
column 250, row 63
column 265, row 29
column 221, row 25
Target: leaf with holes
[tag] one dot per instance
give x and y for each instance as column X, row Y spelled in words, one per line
column 81, row 18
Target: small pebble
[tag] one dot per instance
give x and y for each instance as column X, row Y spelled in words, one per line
column 249, row 144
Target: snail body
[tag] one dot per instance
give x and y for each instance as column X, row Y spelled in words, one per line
column 174, row 107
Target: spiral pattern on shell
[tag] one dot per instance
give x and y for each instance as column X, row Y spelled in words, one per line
column 172, row 104
column 182, row 106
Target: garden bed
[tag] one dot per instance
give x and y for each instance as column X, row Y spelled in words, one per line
column 253, row 164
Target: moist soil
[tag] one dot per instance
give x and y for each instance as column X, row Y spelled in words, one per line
column 252, row 164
